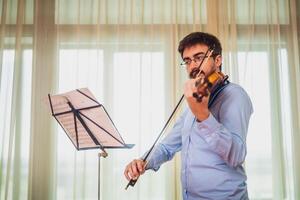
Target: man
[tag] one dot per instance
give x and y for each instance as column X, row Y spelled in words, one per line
column 212, row 140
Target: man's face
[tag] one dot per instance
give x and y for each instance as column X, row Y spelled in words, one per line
column 196, row 53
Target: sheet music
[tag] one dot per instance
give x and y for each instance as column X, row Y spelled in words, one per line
column 84, row 140
column 99, row 126
column 107, row 135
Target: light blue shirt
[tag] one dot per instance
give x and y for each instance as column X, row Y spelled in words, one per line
column 212, row 151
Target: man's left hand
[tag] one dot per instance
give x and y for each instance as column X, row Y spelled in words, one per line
column 199, row 109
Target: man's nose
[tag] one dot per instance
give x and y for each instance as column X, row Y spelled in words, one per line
column 193, row 64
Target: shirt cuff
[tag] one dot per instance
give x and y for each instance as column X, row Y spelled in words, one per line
column 150, row 164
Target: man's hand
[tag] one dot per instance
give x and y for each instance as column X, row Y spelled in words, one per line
column 199, row 109
column 134, row 169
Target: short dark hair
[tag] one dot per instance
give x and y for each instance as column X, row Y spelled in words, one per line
column 200, row 38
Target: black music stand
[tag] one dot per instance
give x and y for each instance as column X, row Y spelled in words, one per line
column 86, row 123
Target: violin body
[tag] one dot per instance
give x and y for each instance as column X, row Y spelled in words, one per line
column 208, row 84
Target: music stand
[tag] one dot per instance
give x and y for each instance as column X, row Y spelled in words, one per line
column 86, row 122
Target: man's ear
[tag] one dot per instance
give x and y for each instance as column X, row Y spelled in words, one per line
column 218, row 60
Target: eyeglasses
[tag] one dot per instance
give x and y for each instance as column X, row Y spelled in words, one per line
column 197, row 59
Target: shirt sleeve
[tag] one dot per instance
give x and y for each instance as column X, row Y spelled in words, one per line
column 227, row 137
column 167, row 148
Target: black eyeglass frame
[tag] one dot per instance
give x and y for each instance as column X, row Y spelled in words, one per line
column 197, row 59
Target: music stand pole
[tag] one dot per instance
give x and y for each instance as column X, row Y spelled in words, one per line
column 104, row 155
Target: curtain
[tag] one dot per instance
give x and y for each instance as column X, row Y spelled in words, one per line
column 125, row 52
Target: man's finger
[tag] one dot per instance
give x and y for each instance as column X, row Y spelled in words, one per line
column 140, row 165
column 134, row 170
column 126, row 174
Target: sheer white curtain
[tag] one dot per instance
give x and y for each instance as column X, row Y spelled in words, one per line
column 125, row 53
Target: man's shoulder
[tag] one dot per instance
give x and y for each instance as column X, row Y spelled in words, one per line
column 235, row 95
column 233, row 92
column 234, row 89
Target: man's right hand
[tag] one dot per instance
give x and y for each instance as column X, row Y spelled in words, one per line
column 134, row 169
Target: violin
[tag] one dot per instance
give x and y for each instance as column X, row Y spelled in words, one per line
column 207, row 85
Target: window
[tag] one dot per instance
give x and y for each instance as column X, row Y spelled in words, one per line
column 254, row 77
column 77, row 171
column 20, row 130
column 133, row 93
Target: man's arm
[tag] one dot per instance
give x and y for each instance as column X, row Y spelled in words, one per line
column 167, row 148
column 227, row 137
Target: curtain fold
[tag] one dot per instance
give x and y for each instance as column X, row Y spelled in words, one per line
column 125, row 52
column 295, row 94
column 42, row 163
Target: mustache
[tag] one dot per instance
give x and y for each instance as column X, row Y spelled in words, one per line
column 194, row 73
